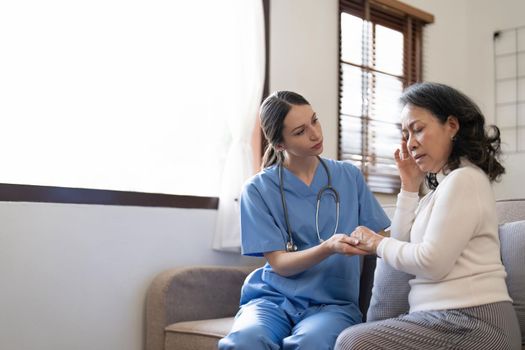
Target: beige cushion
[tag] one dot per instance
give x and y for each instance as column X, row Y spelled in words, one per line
column 198, row 335
column 510, row 210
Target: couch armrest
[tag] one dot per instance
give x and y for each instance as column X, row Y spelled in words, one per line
column 191, row 293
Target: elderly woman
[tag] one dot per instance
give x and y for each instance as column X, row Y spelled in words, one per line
column 449, row 239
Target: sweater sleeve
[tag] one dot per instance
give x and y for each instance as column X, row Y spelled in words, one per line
column 455, row 215
column 404, row 215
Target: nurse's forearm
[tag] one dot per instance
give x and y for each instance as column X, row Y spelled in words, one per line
column 291, row 263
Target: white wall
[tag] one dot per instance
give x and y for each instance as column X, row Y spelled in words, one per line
column 75, row 276
column 486, row 17
column 304, row 58
column 445, row 42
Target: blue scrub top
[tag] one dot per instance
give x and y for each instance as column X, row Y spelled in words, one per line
column 335, row 280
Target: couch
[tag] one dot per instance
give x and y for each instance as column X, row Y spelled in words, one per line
column 190, row 308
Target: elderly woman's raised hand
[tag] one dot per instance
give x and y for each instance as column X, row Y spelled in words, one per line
column 411, row 175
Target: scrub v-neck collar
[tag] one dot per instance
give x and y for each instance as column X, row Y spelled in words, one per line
column 295, row 184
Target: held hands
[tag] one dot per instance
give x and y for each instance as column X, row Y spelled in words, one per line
column 368, row 239
column 342, row 243
column 411, row 175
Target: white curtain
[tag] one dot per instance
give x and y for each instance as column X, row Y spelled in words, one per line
column 243, row 103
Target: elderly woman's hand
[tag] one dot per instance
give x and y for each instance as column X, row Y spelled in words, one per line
column 411, row 175
column 368, row 239
column 341, row 243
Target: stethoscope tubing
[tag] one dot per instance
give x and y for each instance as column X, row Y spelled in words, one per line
column 290, row 245
column 327, row 188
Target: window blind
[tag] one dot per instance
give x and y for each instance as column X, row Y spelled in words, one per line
column 380, row 55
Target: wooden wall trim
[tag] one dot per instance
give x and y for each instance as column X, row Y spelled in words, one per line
column 410, row 10
column 52, row 194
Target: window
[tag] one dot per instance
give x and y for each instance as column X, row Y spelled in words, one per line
column 380, row 55
column 113, row 95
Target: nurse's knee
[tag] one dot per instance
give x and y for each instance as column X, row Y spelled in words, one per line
column 250, row 338
column 309, row 341
column 355, row 337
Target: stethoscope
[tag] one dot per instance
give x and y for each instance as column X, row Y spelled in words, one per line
column 290, row 245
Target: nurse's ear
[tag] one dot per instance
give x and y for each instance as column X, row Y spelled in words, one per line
column 279, row 147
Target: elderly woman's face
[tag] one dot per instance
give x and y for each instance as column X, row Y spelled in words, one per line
column 428, row 140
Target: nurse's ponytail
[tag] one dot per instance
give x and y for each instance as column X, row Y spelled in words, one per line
column 272, row 113
column 271, row 156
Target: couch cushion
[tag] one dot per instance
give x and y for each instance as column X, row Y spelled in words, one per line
column 389, row 293
column 202, row 334
column 512, row 237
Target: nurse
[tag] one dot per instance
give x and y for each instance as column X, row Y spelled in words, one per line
column 307, row 292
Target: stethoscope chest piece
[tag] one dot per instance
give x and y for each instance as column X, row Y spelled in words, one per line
column 290, row 247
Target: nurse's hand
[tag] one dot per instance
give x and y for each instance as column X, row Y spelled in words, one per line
column 368, row 239
column 341, row 243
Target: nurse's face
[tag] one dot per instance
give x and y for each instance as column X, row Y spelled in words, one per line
column 302, row 133
column 429, row 141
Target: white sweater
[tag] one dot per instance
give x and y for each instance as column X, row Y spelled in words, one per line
column 449, row 242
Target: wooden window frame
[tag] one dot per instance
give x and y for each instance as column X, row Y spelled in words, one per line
column 69, row 195
column 401, row 17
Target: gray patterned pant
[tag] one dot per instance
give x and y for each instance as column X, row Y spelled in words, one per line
column 486, row 327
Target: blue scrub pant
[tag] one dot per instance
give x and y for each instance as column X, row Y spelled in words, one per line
column 262, row 324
